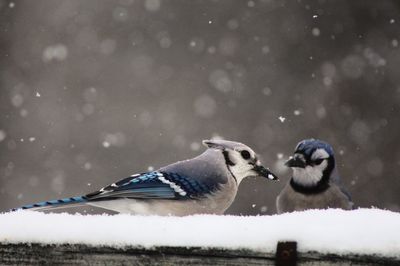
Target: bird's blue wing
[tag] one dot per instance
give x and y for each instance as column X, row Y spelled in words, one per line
column 153, row 185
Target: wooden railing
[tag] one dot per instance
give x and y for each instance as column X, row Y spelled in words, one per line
column 69, row 254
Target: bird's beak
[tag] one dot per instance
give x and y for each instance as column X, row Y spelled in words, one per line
column 262, row 171
column 295, row 162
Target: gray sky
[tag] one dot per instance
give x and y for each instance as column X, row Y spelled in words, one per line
column 93, row 91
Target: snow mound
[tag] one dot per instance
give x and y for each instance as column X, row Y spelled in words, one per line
column 362, row 231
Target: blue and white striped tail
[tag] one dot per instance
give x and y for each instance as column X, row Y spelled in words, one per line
column 44, row 205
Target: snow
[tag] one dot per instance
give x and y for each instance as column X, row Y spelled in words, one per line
column 57, row 52
column 106, row 144
column 152, row 5
column 2, row 135
column 316, row 32
column 362, row 231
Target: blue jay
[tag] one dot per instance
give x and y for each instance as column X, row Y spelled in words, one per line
column 315, row 182
column 205, row 184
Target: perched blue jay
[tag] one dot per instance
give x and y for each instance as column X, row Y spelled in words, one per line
column 315, row 182
column 205, row 184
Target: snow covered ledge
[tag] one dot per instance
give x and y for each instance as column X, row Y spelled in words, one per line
column 361, row 236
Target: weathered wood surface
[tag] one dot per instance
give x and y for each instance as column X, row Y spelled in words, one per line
column 36, row 254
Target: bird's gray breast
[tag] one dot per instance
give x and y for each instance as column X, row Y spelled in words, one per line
column 290, row 200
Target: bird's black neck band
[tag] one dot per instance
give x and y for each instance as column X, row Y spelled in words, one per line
column 229, row 163
column 318, row 188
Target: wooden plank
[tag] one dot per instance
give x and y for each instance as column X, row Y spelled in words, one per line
column 37, row 254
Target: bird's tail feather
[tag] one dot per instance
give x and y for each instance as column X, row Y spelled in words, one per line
column 54, row 204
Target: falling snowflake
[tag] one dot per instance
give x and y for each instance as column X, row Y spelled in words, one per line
column 2, row 135
column 316, row 32
column 195, row 146
column 37, row 94
column 282, row 119
column 87, row 166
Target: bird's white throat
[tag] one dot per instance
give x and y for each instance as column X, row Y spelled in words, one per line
column 309, row 176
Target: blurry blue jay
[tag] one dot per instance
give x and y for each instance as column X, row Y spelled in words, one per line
column 315, row 183
column 205, row 184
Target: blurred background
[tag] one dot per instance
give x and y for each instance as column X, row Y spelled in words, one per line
column 94, row 91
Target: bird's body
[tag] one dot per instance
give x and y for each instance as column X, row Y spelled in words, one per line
column 206, row 184
column 214, row 200
column 210, row 204
column 315, row 183
column 290, row 200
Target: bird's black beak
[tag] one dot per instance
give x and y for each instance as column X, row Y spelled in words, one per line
column 295, row 162
column 262, row 171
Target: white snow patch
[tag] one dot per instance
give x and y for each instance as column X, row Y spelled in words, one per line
column 326, row 231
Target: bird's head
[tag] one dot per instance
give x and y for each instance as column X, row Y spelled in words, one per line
column 312, row 163
column 240, row 159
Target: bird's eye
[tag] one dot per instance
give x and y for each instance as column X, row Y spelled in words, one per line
column 245, row 154
column 318, row 161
